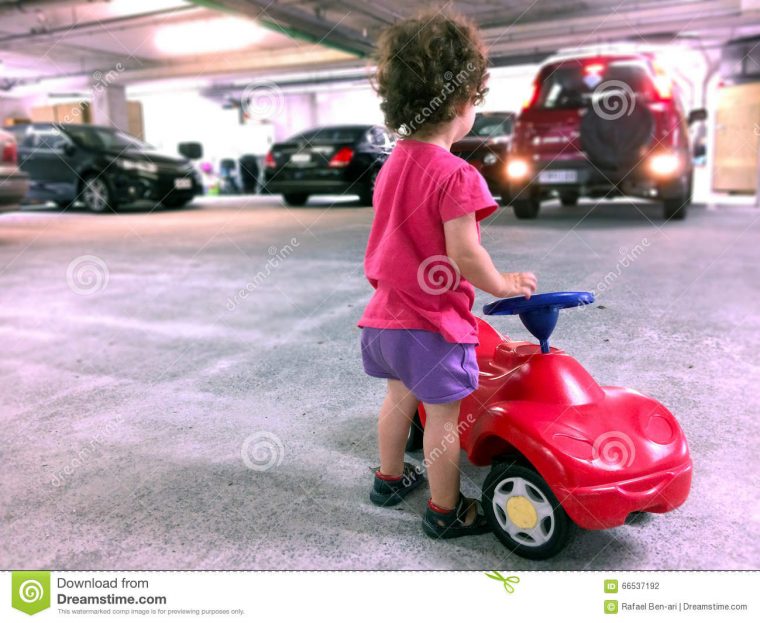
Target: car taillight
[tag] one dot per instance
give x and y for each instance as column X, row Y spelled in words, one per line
column 662, row 83
column 10, row 154
column 342, row 157
column 532, row 96
column 269, row 161
column 594, row 68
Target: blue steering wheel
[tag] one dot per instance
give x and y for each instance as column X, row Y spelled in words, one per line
column 540, row 312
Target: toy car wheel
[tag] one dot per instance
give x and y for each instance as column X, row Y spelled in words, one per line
column 295, row 199
column 524, row 513
column 526, row 208
column 416, row 432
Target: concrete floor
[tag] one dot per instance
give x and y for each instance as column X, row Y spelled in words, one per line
column 125, row 411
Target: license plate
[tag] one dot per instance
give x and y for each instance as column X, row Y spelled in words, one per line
column 183, row 183
column 300, row 158
column 559, row 176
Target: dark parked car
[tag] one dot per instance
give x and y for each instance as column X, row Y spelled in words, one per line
column 486, row 148
column 333, row 160
column 100, row 166
column 602, row 126
column 13, row 182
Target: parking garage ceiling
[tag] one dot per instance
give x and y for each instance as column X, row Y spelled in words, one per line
column 43, row 39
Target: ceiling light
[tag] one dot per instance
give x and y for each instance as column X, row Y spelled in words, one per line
column 208, row 36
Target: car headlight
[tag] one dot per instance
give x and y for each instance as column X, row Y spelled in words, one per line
column 137, row 165
column 664, row 164
column 517, row 168
column 490, row 159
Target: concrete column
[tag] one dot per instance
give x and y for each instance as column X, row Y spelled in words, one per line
column 109, row 106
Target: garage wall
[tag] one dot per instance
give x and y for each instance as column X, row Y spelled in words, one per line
column 172, row 117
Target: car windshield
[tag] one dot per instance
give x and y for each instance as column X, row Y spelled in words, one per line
column 332, row 135
column 491, row 127
column 572, row 86
column 105, row 138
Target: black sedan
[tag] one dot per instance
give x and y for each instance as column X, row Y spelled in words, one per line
column 100, row 166
column 335, row 160
column 486, row 147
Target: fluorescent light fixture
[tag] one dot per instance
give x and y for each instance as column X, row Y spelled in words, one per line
column 206, row 36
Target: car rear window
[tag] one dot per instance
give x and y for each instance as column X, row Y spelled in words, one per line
column 332, row 135
column 491, row 126
column 571, row 85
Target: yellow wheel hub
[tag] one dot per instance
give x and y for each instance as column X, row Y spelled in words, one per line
column 521, row 512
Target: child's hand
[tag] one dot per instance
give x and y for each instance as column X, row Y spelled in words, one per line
column 516, row 284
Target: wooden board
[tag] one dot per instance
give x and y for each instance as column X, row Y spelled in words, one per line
column 737, row 139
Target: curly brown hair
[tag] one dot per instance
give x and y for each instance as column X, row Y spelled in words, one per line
column 427, row 67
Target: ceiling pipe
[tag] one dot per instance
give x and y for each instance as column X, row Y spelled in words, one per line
column 22, row 6
column 296, row 24
column 96, row 25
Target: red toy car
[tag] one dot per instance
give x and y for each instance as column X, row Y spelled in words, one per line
column 564, row 450
column 602, row 126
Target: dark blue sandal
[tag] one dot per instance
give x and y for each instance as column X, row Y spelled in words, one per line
column 439, row 523
column 387, row 492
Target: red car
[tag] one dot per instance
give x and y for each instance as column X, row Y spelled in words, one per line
column 564, row 450
column 486, row 147
column 602, row 126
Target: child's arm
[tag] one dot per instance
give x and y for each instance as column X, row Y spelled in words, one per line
column 474, row 263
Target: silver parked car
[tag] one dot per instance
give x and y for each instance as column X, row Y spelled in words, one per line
column 14, row 183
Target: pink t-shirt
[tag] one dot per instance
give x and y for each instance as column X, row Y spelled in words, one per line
column 421, row 186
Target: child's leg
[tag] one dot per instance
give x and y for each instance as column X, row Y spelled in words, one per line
column 441, row 447
column 396, row 416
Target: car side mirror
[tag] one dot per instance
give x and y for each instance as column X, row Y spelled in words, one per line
column 698, row 114
column 191, row 150
column 69, row 149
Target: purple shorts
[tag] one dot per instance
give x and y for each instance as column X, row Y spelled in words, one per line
column 434, row 370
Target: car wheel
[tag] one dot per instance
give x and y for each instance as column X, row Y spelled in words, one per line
column 368, row 191
column 524, row 513
column 416, row 432
column 295, row 199
column 526, row 208
column 569, row 200
column 175, row 203
column 676, row 207
column 96, row 194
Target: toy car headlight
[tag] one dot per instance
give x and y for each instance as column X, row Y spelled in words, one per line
column 490, row 159
column 574, row 446
column 659, row 429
